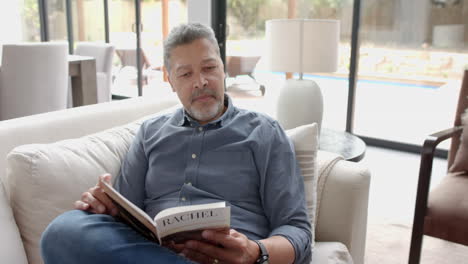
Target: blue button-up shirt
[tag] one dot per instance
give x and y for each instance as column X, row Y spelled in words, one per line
column 243, row 158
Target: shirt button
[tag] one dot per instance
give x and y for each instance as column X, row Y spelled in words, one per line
column 200, row 129
column 194, row 156
column 183, row 199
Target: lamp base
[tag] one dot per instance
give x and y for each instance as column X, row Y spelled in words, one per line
column 300, row 102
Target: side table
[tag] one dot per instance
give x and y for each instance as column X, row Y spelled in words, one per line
column 351, row 147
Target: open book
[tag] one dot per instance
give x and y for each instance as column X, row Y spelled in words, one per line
column 173, row 224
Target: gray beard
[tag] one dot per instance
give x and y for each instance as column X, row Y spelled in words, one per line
column 206, row 114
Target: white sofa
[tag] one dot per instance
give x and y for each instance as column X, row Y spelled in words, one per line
column 342, row 218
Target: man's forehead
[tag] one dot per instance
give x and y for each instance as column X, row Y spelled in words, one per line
column 188, row 64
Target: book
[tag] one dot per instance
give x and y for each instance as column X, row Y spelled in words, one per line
column 176, row 224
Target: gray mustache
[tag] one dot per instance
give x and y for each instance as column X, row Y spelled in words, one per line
column 204, row 91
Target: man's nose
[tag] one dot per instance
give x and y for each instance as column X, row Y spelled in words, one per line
column 200, row 81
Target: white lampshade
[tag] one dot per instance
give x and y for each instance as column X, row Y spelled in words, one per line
column 302, row 45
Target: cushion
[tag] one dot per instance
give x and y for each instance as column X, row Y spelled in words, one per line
column 45, row 179
column 331, row 253
column 447, row 209
column 461, row 157
column 305, row 140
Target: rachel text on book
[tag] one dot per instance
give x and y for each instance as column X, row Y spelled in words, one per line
column 171, row 224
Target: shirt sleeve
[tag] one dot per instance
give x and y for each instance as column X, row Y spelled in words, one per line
column 283, row 197
column 131, row 180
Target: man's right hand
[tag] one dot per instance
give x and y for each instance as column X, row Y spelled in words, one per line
column 96, row 201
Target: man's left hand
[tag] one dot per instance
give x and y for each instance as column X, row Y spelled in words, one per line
column 234, row 248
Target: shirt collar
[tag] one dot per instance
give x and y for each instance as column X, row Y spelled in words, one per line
column 187, row 121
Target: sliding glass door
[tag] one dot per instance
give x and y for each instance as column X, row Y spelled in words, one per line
column 157, row 17
column 410, row 60
column 412, row 57
column 245, row 49
column 88, row 20
column 19, row 21
column 122, row 23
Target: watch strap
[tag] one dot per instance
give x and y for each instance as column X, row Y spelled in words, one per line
column 264, row 256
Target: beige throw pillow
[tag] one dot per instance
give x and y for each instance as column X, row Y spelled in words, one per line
column 460, row 163
column 305, row 139
column 45, row 179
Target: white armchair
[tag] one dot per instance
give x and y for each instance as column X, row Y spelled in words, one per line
column 33, row 79
column 104, row 54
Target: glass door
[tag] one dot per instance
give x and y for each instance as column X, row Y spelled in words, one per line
column 246, row 44
column 19, row 21
column 57, row 20
column 122, row 21
column 158, row 18
column 412, row 57
column 88, row 21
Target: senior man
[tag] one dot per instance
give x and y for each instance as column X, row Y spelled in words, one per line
column 207, row 151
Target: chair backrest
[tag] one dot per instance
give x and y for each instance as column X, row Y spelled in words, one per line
column 461, row 106
column 128, row 57
column 33, row 79
column 241, row 65
column 102, row 52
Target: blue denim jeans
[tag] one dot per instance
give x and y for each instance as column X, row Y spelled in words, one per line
column 81, row 237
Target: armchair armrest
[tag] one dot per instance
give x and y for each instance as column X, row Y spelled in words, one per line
column 12, row 250
column 434, row 139
column 427, row 157
column 343, row 207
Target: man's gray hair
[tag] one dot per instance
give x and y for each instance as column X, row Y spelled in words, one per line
column 186, row 34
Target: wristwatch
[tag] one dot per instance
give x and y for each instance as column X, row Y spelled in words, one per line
column 264, row 256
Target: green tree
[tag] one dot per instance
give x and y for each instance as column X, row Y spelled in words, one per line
column 245, row 12
column 30, row 17
column 321, row 8
column 327, row 3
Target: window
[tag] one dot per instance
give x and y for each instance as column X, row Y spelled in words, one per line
column 157, row 17
column 411, row 62
column 246, row 41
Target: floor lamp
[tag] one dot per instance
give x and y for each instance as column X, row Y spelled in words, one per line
column 301, row 46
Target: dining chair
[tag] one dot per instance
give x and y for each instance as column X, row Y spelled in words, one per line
column 33, row 79
column 128, row 58
column 104, row 54
column 243, row 65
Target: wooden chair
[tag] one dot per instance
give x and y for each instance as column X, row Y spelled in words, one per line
column 444, row 212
